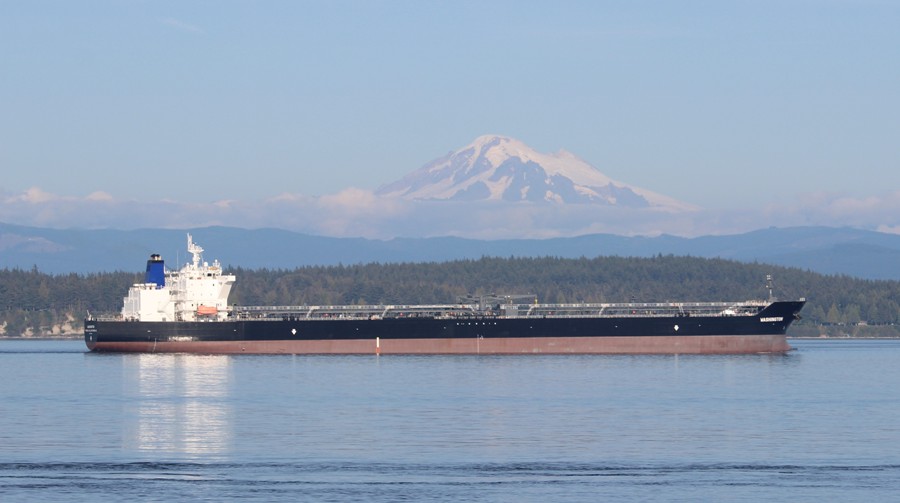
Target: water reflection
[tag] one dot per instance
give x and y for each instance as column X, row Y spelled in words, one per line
column 179, row 404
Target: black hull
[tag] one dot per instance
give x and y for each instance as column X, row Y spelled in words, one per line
column 764, row 332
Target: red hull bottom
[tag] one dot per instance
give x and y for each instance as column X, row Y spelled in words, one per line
column 707, row 344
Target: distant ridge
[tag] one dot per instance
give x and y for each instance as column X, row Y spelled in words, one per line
column 852, row 252
column 501, row 168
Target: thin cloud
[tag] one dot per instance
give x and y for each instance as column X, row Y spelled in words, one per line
column 34, row 195
column 359, row 213
column 182, row 26
column 100, row 196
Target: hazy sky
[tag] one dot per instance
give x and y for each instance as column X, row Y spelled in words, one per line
column 723, row 104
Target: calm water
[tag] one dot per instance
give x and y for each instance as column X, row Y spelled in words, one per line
column 821, row 423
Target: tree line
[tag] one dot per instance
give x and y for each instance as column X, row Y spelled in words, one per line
column 35, row 303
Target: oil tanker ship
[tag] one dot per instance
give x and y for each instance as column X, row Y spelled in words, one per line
column 187, row 311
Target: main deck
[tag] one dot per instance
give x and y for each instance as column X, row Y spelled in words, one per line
column 505, row 311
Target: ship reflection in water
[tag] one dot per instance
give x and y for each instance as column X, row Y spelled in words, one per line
column 179, row 404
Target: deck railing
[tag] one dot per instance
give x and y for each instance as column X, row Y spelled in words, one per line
column 509, row 311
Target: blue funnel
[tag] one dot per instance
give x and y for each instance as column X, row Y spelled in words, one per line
column 156, row 271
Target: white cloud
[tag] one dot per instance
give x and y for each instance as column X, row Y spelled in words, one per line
column 834, row 209
column 889, row 229
column 356, row 212
column 288, row 197
column 35, row 195
column 352, row 199
column 99, row 196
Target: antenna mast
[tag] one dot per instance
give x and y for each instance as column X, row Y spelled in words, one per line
column 194, row 250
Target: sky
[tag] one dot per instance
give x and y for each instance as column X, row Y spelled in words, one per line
column 748, row 109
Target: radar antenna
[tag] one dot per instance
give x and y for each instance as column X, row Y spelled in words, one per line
column 194, row 250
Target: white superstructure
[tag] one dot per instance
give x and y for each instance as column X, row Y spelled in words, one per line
column 197, row 292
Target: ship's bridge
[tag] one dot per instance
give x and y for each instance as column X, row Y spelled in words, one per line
column 196, row 292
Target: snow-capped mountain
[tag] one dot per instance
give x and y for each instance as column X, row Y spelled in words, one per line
column 502, row 168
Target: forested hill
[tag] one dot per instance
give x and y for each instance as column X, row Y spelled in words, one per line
column 34, row 303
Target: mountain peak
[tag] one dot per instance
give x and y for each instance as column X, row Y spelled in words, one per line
column 492, row 139
column 497, row 167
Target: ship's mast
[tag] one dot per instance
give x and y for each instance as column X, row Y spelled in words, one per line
column 194, row 250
